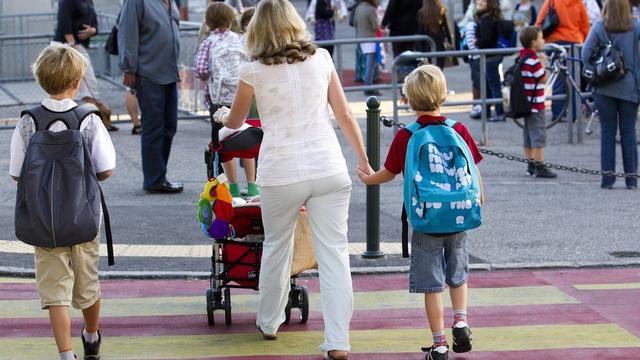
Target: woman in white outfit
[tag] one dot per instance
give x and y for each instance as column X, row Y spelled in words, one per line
column 300, row 163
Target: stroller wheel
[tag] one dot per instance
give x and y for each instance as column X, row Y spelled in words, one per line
column 227, row 306
column 304, row 304
column 209, row 296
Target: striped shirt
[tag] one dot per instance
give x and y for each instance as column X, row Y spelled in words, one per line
column 532, row 73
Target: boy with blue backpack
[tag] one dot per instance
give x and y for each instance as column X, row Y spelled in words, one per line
column 443, row 195
column 59, row 152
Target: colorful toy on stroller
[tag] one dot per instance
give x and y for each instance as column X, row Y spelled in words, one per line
column 237, row 231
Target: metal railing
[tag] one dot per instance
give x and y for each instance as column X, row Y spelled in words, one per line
column 484, row 101
column 338, row 45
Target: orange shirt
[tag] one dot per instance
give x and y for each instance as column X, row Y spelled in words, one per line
column 574, row 22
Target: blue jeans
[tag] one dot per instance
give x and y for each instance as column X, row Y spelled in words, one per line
column 370, row 64
column 494, row 86
column 436, row 261
column 159, row 119
column 616, row 113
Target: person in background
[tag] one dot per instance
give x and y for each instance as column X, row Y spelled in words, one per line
column 366, row 21
column 77, row 24
column 593, row 11
column 322, row 14
column 573, row 29
column 148, row 34
column 617, row 102
column 474, row 65
column 241, row 5
column 400, row 18
column 488, row 17
column 433, row 21
column 131, row 103
column 525, row 14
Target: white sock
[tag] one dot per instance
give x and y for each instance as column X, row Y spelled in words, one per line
column 89, row 337
column 67, row 355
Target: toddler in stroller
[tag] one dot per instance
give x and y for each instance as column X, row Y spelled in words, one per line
column 237, row 231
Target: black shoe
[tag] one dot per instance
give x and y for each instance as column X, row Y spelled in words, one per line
column 531, row 169
column 632, row 187
column 606, row 186
column 543, row 172
column 136, row 130
column 372, row 93
column 437, row 353
column 91, row 350
column 461, row 338
column 165, row 188
column 112, row 128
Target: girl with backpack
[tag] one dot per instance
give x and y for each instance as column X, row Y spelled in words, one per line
column 322, row 14
column 617, row 101
column 488, row 18
column 217, row 62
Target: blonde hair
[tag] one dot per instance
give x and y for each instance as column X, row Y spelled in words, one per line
column 277, row 34
column 425, row 88
column 58, row 67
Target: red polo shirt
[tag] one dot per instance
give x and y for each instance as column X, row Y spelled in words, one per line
column 398, row 150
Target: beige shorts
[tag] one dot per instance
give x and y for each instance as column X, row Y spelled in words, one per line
column 68, row 275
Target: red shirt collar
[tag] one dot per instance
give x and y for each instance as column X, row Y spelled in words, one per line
column 524, row 52
column 429, row 119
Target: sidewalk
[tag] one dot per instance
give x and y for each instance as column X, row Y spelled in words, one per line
column 526, row 315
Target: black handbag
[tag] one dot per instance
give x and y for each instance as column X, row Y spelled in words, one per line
column 111, row 44
column 605, row 65
column 551, row 21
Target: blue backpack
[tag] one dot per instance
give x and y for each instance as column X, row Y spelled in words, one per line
column 441, row 185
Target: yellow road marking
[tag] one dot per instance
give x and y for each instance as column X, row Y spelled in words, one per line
column 10, row 280
column 618, row 286
column 373, row 300
column 510, row 338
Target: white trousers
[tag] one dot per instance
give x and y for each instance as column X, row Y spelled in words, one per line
column 327, row 203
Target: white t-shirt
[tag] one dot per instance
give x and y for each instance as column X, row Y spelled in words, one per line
column 299, row 142
column 103, row 154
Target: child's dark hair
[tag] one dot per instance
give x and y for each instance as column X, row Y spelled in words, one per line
column 528, row 35
column 245, row 18
column 219, row 15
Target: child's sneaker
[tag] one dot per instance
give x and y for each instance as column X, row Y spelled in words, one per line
column 437, row 353
column 475, row 112
column 461, row 337
column 544, row 172
column 531, row 169
column 91, row 350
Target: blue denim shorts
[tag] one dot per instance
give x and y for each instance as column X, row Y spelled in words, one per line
column 436, row 261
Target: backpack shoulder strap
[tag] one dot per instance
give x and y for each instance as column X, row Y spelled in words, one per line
column 413, row 127
column 83, row 111
column 450, row 123
column 72, row 118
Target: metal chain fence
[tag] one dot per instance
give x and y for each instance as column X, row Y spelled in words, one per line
column 389, row 122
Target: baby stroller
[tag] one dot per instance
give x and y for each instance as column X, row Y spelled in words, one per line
column 237, row 231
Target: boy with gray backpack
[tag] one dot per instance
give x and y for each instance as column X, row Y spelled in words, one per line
column 443, row 196
column 59, row 152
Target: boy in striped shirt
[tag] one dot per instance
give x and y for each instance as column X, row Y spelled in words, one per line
column 534, row 76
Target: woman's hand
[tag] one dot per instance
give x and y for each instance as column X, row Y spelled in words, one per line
column 364, row 167
column 219, row 115
column 363, row 176
column 87, row 32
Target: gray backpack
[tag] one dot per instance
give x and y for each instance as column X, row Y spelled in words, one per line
column 58, row 199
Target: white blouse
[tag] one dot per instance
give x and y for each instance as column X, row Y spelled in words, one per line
column 299, row 142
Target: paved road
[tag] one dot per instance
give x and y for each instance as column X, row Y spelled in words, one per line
column 586, row 314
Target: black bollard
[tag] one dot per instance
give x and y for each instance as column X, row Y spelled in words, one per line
column 373, row 191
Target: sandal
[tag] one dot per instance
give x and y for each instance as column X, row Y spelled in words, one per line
column 268, row 337
column 136, row 130
column 329, row 355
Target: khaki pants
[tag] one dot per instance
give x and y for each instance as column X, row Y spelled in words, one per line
column 68, row 275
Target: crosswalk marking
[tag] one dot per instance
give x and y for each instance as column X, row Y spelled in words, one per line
column 190, row 251
column 246, row 303
column 511, row 338
column 619, row 286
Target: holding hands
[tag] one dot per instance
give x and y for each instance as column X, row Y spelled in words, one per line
column 220, row 115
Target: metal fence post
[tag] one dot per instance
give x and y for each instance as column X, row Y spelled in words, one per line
column 578, row 81
column 373, row 191
column 569, row 92
column 483, row 97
